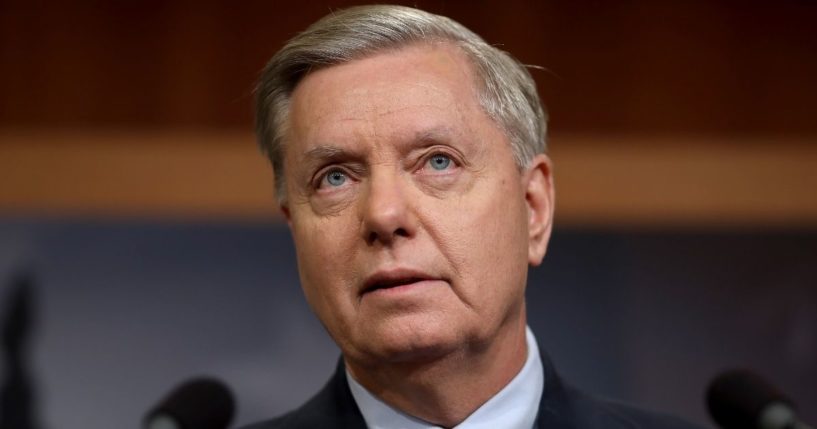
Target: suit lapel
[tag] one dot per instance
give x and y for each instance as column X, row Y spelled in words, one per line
column 555, row 411
column 563, row 407
column 337, row 399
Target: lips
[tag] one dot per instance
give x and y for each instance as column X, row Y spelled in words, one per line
column 388, row 279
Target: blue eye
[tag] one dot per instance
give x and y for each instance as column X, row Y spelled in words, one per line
column 439, row 162
column 335, row 178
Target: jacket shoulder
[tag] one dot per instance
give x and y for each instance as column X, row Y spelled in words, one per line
column 312, row 414
column 604, row 413
column 332, row 407
column 295, row 419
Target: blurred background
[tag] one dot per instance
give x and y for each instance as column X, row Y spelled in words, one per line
column 140, row 243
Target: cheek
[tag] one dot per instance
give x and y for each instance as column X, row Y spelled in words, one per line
column 495, row 215
column 325, row 249
column 497, row 239
column 486, row 242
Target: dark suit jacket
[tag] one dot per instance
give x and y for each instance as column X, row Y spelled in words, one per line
column 561, row 407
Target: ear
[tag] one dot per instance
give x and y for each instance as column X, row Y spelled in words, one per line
column 285, row 210
column 539, row 195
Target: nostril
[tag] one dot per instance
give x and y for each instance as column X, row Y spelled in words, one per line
column 374, row 236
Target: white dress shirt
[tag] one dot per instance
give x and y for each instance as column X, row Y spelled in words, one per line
column 513, row 407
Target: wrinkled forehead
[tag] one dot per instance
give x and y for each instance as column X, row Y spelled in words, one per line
column 420, row 82
column 450, row 48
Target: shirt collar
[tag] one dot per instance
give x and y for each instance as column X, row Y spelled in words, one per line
column 513, row 407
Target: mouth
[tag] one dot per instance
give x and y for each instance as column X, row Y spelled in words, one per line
column 391, row 284
column 393, row 280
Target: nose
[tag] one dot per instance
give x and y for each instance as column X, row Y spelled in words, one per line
column 386, row 213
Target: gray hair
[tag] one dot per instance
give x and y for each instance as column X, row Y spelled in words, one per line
column 507, row 92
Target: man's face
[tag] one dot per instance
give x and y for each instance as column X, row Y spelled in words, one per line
column 412, row 224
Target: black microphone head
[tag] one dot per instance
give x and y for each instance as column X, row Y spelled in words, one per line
column 736, row 399
column 201, row 403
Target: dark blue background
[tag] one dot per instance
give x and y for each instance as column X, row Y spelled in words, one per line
column 127, row 309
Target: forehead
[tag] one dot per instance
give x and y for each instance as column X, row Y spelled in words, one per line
column 430, row 85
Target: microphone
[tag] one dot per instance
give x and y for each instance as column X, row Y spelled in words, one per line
column 741, row 399
column 17, row 393
column 201, row 403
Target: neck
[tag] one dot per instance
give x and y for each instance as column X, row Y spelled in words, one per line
column 446, row 390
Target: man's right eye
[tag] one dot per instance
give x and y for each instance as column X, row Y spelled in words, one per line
column 333, row 178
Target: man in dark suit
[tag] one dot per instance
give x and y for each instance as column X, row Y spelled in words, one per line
column 410, row 163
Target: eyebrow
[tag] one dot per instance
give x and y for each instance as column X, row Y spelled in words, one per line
column 326, row 152
column 434, row 134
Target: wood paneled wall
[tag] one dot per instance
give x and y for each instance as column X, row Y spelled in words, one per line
column 636, row 66
column 679, row 112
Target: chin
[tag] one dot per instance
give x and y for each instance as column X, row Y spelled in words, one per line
column 407, row 343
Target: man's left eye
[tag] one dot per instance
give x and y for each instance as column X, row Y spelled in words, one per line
column 440, row 162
